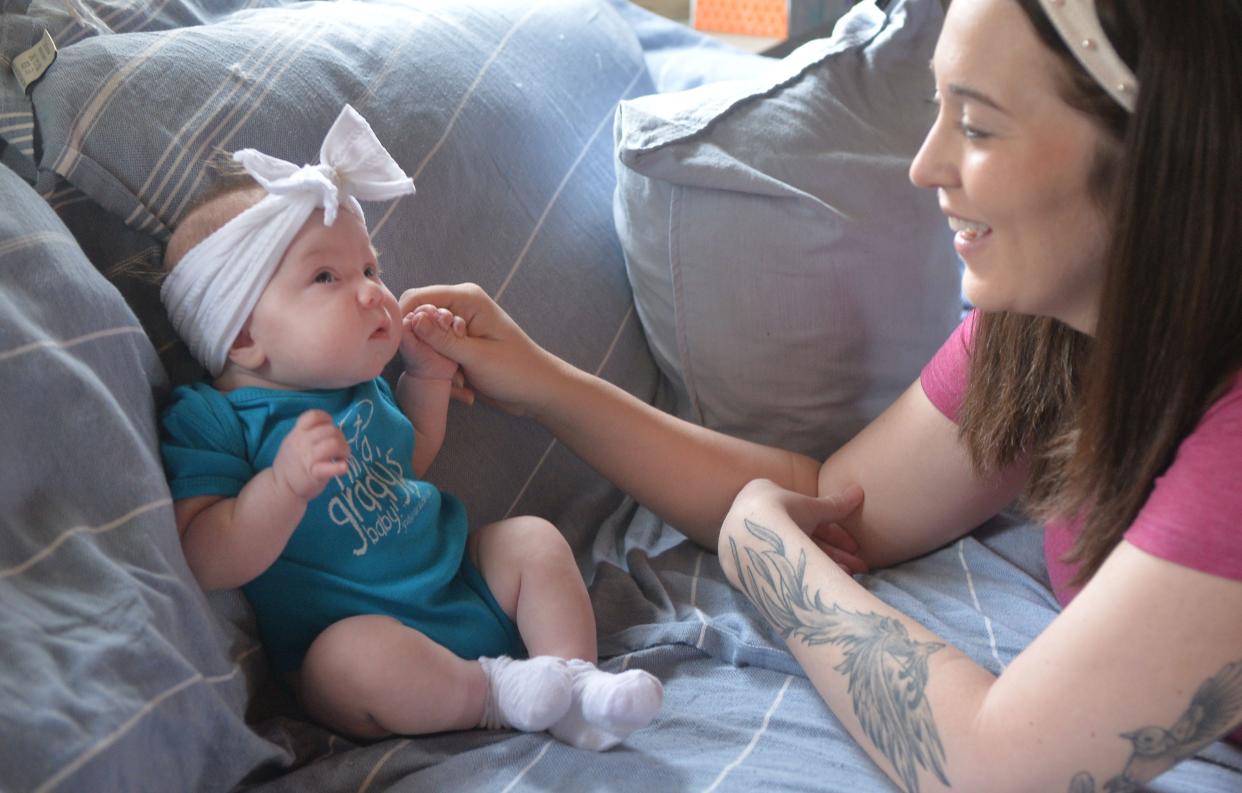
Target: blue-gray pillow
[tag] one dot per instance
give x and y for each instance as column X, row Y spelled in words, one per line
column 790, row 279
column 27, row 22
column 501, row 112
column 115, row 675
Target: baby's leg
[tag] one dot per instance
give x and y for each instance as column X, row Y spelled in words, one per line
column 532, row 574
column 371, row 676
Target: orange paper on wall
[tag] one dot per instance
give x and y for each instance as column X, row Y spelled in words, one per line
column 744, row 17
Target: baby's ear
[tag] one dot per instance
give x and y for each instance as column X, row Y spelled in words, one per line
column 245, row 352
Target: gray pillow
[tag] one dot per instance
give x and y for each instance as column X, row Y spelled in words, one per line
column 500, row 110
column 115, row 676
column 790, row 279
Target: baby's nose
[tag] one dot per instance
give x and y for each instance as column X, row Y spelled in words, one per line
column 369, row 294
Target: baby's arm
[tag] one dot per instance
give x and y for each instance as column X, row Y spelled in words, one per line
column 425, row 387
column 229, row 542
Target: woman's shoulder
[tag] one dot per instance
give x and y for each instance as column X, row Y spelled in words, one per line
column 945, row 376
column 1191, row 516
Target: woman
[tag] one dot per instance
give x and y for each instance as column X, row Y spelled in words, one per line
column 1089, row 175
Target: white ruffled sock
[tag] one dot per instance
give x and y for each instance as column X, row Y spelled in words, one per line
column 607, row 707
column 527, row 695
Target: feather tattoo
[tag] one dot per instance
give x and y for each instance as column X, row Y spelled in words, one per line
column 885, row 668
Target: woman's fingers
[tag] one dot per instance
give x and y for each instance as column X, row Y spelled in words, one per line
column 835, row 534
column 845, row 560
column 463, row 394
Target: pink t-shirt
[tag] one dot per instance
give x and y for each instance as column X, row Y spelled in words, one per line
column 1193, row 516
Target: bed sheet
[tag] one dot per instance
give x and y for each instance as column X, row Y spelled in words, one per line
column 739, row 715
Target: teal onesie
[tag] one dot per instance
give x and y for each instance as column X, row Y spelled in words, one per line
column 375, row 541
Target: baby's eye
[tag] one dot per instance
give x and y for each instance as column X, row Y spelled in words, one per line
column 371, row 271
column 324, row 277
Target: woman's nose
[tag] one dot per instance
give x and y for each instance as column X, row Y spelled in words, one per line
column 933, row 166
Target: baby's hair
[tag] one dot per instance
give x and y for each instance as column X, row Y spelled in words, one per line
column 231, row 192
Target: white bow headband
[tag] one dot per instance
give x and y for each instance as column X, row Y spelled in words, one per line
column 214, row 288
column 1079, row 26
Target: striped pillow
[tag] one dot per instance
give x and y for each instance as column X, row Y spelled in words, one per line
column 27, row 21
column 500, row 110
column 114, row 674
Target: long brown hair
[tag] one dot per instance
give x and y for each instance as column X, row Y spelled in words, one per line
column 1100, row 418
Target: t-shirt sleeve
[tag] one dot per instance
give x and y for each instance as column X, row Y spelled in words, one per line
column 1194, row 514
column 385, row 391
column 945, row 376
column 203, row 445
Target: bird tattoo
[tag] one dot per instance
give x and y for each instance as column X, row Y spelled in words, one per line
column 1214, row 707
column 885, row 668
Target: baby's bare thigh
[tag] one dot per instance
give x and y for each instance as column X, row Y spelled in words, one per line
column 506, row 550
column 371, row 675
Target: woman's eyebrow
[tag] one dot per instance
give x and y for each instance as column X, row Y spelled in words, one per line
column 978, row 96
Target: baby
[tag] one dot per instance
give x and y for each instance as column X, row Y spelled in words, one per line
column 296, row 475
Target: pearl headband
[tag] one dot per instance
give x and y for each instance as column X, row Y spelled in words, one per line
column 211, row 292
column 1079, row 26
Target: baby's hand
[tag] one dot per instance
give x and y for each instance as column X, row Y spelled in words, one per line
column 313, row 452
column 419, row 358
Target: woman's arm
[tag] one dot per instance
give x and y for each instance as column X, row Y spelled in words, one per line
column 685, row 473
column 920, row 489
column 1106, row 698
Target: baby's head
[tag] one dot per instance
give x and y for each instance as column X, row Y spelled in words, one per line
column 273, row 281
column 324, row 320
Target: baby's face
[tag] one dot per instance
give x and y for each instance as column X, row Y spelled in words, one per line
column 326, row 320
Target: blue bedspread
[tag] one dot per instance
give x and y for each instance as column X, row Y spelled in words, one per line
column 739, row 715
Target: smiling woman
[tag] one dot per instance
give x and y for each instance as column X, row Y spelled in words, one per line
column 1011, row 162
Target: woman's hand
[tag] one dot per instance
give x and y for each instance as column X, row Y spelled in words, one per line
column 499, row 361
column 772, row 508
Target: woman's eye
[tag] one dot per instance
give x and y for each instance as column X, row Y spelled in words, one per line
column 324, row 278
column 972, row 133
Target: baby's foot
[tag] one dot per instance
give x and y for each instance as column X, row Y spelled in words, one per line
column 528, row 695
column 607, row 707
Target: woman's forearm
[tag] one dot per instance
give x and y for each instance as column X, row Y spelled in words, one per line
column 685, row 473
column 1107, row 692
column 904, row 695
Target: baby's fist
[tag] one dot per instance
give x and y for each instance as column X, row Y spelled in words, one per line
column 313, row 452
column 419, row 358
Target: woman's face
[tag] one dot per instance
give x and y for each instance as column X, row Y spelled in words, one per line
column 1011, row 161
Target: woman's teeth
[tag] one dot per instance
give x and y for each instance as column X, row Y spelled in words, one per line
column 969, row 230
